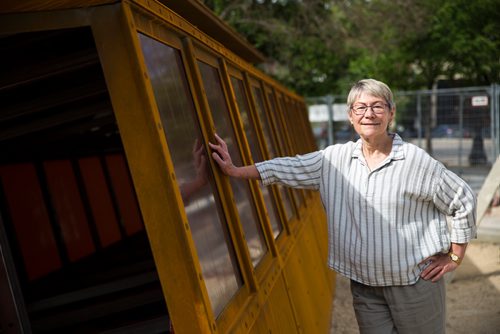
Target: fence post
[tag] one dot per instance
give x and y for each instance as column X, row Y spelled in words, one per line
column 461, row 129
column 419, row 118
column 329, row 105
column 477, row 154
column 495, row 120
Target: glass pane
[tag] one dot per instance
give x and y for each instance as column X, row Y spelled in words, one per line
column 239, row 91
column 275, row 117
column 261, row 111
column 287, row 124
column 241, row 188
column 210, row 235
column 287, row 113
column 264, row 120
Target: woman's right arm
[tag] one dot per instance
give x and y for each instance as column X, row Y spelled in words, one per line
column 302, row 171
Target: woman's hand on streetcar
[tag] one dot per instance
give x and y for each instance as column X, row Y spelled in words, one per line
column 222, row 157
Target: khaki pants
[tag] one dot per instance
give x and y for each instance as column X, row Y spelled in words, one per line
column 412, row 309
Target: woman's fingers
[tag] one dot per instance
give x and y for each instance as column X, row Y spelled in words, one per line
column 221, row 149
column 217, row 149
column 221, row 142
column 437, row 267
column 430, row 274
column 429, row 259
column 221, row 155
column 217, row 158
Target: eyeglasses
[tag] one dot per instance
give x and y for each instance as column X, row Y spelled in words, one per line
column 377, row 108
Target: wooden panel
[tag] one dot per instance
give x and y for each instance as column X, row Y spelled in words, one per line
column 310, row 294
column 124, row 193
column 69, row 209
column 100, row 201
column 30, row 219
column 300, row 301
column 281, row 316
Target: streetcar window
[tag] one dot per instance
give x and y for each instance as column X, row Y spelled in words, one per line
column 241, row 189
column 261, row 110
column 241, row 99
column 266, row 127
column 292, row 148
column 209, row 230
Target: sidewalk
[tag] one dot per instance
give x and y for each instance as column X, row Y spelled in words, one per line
column 473, row 292
column 489, row 227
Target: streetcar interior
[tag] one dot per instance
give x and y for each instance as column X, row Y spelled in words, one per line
column 66, row 194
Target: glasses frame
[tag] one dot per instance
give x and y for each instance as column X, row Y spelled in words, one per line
column 366, row 107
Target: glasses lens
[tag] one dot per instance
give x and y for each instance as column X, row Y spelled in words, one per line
column 360, row 109
column 378, row 108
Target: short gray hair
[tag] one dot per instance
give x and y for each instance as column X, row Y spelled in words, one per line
column 372, row 87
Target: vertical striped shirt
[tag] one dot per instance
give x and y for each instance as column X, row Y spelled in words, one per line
column 382, row 223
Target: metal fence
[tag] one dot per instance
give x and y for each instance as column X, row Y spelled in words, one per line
column 458, row 126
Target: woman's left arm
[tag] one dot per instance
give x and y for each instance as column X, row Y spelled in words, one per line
column 455, row 198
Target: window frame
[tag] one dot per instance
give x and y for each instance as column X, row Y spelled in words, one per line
column 233, row 71
column 283, row 146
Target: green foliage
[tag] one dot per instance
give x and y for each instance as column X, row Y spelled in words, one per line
column 317, row 47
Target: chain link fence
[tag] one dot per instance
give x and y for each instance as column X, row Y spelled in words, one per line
column 457, row 126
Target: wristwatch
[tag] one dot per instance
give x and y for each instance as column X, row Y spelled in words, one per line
column 455, row 258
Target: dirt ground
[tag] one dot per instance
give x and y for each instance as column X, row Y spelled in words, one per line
column 472, row 295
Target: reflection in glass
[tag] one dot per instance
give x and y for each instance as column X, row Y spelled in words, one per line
column 241, row 188
column 264, row 120
column 248, row 125
column 210, row 235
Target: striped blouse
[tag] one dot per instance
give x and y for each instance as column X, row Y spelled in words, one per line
column 382, row 223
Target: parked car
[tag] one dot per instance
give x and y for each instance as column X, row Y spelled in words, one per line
column 407, row 133
column 450, row 131
column 345, row 133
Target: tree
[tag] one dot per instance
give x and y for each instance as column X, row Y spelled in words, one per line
column 303, row 42
column 463, row 41
column 322, row 46
column 413, row 43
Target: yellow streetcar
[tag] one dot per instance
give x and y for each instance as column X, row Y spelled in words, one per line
column 114, row 218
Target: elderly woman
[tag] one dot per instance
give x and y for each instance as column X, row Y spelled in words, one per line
column 387, row 203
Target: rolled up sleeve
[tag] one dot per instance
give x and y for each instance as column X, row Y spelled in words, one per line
column 300, row 171
column 456, row 199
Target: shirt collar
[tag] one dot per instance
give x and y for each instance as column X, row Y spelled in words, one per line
column 397, row 152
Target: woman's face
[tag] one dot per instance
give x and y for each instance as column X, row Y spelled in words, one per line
column 370, row 116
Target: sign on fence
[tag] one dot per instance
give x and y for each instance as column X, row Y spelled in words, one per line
column 319, row 112
column 480, row 101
